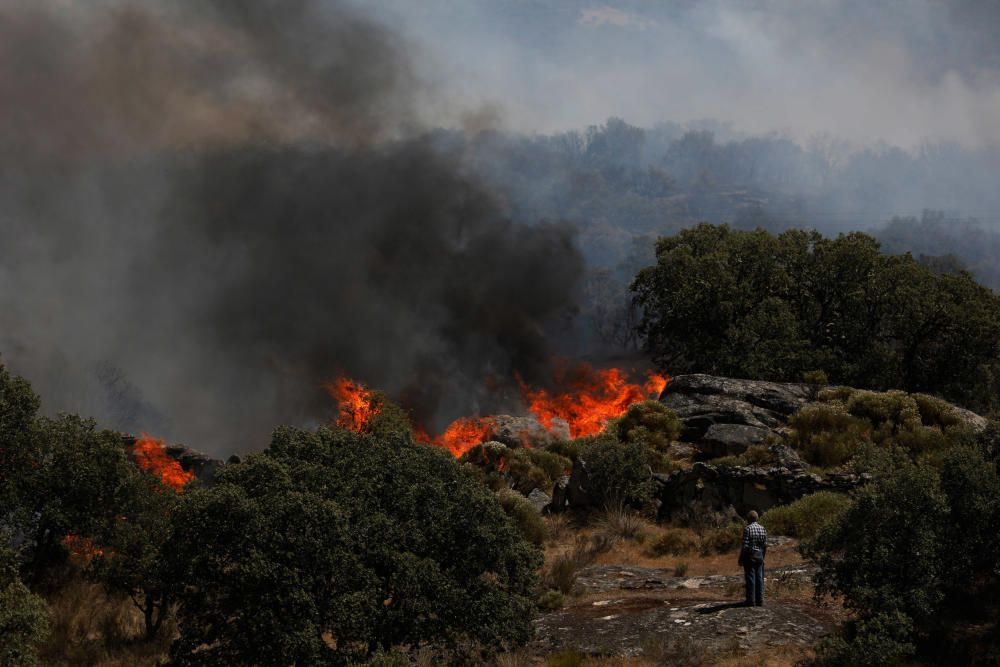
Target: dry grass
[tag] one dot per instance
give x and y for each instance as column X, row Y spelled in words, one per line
column 90, row 627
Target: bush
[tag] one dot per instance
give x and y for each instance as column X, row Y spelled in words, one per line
column 680, row 569
column 528, row 520
column 24, row 617
column 804, row 517
column 723, row 539
column 618, row 473
column 649, row 422
column 827, row 435
column 562, row 573
column 553, row 464
column 376, row 542
column 754, row 456
column 619, row 522
column 671, row 542
column 551, row 600
column 520, row 468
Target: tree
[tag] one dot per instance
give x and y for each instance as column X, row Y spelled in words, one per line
column 913, row 556
column 752, row 304
column 331, row 545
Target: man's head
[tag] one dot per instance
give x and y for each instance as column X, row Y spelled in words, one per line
column 752, row 516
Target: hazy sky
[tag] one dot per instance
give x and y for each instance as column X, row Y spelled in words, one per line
column 902, row 72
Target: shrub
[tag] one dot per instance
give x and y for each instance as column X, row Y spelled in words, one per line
column 804, row 517
column 754, row 456
column 619, row 522
column 723, row 539
column 528, row 520
column 618, row 473
column 551, row 600
column 649, row 422
column 935, row 412
column 519, row 468
column 24, row 617
column 680, row 569
column 671, row 542
column 377, row 542
column 827, row 435
column 562, row 573
column 816, row 381
column 554, row 465
column 568, row 449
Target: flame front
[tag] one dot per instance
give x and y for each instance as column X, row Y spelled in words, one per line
column 589, row 398
column 461, row 435
column 355, row 402
column 151, row 455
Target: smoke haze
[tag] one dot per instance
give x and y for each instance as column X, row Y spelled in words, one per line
column 208, row 209
column 211, row 210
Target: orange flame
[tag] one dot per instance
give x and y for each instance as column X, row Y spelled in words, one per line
column 461, row 435
column 355, row 401
column 589, row 398
column 150, row 454
column 82, row 549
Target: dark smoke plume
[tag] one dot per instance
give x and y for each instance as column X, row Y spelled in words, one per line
column 209, row 209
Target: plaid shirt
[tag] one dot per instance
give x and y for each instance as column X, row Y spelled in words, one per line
column 754, row 535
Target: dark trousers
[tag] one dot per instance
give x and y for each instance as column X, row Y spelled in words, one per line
column 755, row 583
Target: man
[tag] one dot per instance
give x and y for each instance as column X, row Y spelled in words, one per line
column 752, row 559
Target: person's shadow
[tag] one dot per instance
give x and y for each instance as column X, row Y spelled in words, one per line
column 719, row 607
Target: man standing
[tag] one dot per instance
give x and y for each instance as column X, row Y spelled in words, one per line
column 752, row 559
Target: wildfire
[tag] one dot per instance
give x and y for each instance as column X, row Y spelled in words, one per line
column 355, row 401
column 589, row 398
column 150, row 454
column 461, row 435
column 82, row 549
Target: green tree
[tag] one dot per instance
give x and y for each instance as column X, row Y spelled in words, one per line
column 752, row 304
column 331, row 545
column 915, row 550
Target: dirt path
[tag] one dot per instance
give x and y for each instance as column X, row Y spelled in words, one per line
column 634, row 611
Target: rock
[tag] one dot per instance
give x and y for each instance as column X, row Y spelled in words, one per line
column 708, row 488
column 681, row 450
column 539, row 499
column 202, row 465
column 521, row 431
column 725, row 416
column 731, row 439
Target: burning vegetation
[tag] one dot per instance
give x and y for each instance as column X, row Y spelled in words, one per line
column 150, row 454
column 586, row 400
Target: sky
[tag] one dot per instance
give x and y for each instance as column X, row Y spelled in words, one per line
column 901, row 72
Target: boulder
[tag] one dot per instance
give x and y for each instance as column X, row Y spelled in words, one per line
column 704, row 401
column 570, row 491
column 527, row 431
column 731, row 439
column 707, row 487
column 539, row 499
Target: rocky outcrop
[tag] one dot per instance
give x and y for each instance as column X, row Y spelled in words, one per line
column 202, row 465
column 725, row 416
column 526, row 431
column 704, row 488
